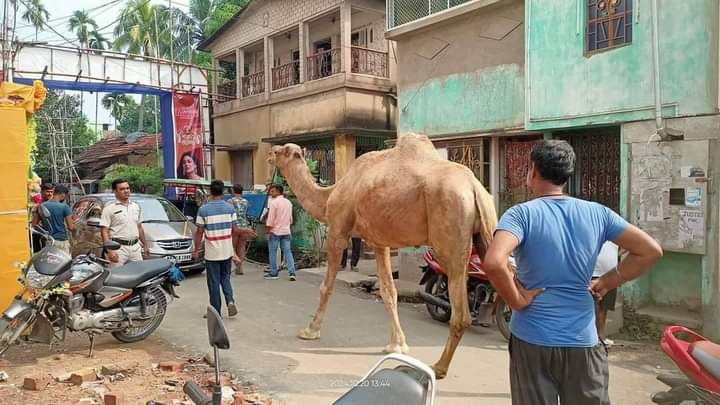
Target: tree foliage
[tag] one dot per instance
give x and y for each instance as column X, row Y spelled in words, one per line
column 142, row 179
column 83, row 25
column 36, row 15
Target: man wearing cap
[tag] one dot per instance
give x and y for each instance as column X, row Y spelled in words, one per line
column 121, row 222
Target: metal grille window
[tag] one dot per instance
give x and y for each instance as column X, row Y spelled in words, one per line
column 609, row 24
column 404, row 11
column 475, row 156
column 324, row 155
column 597, row 166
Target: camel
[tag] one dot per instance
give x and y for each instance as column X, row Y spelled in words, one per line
column 405, row 196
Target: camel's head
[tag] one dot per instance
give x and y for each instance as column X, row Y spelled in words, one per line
column 281, row 156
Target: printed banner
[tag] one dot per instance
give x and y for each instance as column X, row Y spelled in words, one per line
column 189, row 156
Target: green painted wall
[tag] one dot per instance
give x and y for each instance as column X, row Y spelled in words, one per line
column 676, row 280
column 483, row 100
column 568, row 88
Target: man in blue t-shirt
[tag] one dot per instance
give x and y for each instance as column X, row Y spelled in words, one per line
column 60, row 220
column 554, row 350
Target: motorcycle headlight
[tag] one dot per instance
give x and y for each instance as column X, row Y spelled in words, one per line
column 36, row 280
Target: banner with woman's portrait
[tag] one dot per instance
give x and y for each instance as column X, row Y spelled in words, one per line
column 189, row 155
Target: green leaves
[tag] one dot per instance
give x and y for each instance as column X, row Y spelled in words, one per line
column 148, row 180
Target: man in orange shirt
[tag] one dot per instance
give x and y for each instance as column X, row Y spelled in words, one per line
column 277, row 228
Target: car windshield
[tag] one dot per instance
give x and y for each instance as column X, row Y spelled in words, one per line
column 156, row 210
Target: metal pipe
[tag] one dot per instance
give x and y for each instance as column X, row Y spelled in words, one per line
column 656, row 67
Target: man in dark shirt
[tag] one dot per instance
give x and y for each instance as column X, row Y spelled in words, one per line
column 60, row 220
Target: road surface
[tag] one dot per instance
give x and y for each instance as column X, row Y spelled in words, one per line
column 265, row 350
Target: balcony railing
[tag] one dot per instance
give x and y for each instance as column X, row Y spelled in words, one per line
column 369, row 62
column 227, row 90
column 323, row 64
column 404, row 11
column 253, row 84
column 286, row 75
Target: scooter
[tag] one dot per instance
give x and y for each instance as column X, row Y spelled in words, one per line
column 483, row 300
column 412, row 383
column 699, row 359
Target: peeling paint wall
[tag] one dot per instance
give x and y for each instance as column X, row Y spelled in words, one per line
column 464, row 75
column 566, row 87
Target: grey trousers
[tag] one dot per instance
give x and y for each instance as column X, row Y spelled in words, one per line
column 541, row 375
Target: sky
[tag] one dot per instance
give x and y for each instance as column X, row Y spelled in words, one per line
column 105, row 13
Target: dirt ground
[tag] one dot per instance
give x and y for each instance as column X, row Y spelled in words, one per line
column 132, row 370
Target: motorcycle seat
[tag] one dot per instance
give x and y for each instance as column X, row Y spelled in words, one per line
column 387, row 386
column 135, row 273
column 707, row 354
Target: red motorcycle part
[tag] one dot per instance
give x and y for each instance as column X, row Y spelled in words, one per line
column 685, row 352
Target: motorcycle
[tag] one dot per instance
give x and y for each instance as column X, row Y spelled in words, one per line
column 412, row 383
column 61, row 294
column 483, row 300
column 699, row 359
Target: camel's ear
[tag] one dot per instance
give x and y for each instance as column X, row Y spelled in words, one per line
column 286, row 150
column 299, row 154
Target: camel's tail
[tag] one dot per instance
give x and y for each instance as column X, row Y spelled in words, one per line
column 486, row 220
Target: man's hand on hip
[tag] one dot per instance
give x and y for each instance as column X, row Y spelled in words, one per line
column 525, row 297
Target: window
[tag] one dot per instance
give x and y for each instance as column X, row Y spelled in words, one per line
column 609, row 24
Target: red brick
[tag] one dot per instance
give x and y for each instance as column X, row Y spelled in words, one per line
column 82, row 376
column 113, row 398
column 36, row 383
column 173, row 366
column 239, row 398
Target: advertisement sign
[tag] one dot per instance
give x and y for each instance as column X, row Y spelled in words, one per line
column 189, row 155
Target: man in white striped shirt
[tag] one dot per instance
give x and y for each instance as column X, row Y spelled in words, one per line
column 216, row 223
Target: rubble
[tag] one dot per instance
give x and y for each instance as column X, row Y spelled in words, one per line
column 113, row 398
column 36, row 383
column 172, row 366
column 84, row 375
column 3, row 376
column 227, row 393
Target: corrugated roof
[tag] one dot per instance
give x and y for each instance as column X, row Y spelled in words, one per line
column 114, row 146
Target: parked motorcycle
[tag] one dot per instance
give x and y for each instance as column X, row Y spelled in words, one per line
column 412, row 383
column 62, row 294
column 699, row 359
column 483, row 300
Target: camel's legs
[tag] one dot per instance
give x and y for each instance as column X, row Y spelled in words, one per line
column 388, row 292
column 335, row 246
column 460, row 319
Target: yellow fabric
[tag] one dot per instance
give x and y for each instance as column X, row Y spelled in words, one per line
column 29, row 98
column 13, row 198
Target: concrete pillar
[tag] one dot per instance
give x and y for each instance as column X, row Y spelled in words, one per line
column 344, row 154
column 239, row 71
column 345, row 37
column 304, row 46
column 269, row 57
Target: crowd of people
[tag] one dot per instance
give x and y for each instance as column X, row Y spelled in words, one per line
column 567, row 253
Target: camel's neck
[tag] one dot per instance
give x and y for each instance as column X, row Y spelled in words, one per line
column 312, row 197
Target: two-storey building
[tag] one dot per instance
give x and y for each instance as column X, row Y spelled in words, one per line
column 318, row 73
column 632, row 85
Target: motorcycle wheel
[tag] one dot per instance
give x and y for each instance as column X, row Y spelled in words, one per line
column 503, row 312
column 437, row 286
column 140, row 330
column 12, row 330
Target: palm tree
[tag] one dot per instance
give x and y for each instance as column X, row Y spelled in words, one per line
column 82, row 24
column 138, row 29
column 35, row 14
column 118, row 104
column 98, row 41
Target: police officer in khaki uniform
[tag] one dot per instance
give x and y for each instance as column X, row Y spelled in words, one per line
column 121, row 222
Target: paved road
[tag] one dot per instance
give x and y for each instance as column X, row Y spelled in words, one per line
column 265, row 351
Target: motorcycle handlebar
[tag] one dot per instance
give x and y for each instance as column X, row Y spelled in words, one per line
column 196, row 394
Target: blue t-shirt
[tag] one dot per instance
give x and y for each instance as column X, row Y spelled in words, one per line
column 56, row 223
column 560, row 239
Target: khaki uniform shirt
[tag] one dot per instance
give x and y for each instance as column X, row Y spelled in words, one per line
column 122, row 220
